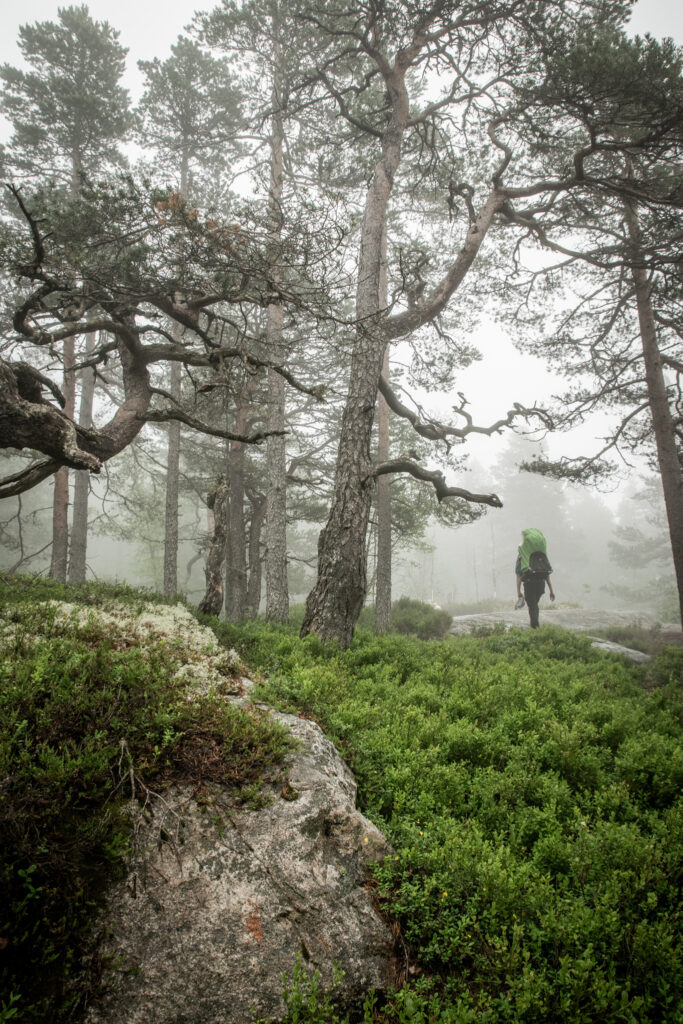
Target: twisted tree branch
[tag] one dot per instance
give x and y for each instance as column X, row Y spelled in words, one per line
column 436, row 478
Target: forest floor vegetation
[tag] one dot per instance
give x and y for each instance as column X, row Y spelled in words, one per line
column 92, row 715
column 528, row 783
column 530, row 786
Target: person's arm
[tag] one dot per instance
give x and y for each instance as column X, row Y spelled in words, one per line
column 518, row 579
column 551, row 592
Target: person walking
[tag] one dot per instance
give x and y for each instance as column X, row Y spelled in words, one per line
column 532, row 572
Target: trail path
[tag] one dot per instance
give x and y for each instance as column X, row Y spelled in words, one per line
column 583, row 620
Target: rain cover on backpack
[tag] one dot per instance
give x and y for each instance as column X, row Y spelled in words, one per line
column 534, row 545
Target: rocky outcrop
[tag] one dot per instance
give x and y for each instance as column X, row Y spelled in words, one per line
column 218, row 903
column 582, row 620
column 579, row 619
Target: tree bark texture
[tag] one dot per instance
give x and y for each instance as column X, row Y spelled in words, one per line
column 259, row 507
column 277, row 590
column 78, row 549
column 334, row 604
column 217, row 501
column 236, row 604
column 60, row 494
column 336, row 600
column 236, row 582
column 383, row 566
column 173, row 453
column 172, row 489
column 663, row 424
column 28, row 421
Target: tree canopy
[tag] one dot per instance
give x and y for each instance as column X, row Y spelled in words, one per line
column 420, row 156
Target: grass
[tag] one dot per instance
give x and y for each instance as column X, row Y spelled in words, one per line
column 84, row 716
column 530, row 786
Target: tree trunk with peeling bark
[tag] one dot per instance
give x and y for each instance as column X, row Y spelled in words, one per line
column 383, row 566
column 78, row 548
column 60, row 494
column 217, row 502
column 236, row 583
column 236, row 600
column 259, row 507
column 172, row 490
column 663, row 425
column 173, row 452
column 334, row 604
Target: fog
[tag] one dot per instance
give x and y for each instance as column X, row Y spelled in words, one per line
column 595, row 540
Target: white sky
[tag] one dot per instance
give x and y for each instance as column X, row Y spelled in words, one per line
column 148, row 29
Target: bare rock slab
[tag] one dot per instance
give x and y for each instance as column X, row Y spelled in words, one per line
column 217, row 904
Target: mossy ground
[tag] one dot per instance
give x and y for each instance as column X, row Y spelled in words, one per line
column 87, row 716
column 529, row 784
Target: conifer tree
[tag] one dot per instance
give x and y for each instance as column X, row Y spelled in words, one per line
column 616, row 237
column 188, row 114
column 68, row 113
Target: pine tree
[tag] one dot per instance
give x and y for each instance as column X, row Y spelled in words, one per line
column 188, row 114
column 68, row 114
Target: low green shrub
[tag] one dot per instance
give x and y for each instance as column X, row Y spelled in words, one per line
column 667, row 667
column 638, row 638
column 425, row 621
column 408, row 616
column 530, row 786
column 84, row 719
column 28, row 589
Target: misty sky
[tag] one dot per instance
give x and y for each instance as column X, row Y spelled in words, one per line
column 149, row 29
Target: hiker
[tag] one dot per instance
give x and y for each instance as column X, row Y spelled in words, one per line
column 532, row 570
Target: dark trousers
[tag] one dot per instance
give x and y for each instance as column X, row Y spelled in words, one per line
column 533, row 588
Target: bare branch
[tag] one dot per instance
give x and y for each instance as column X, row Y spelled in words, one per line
column 405, row 323
column 436, row 431
column 436, row 478
column 17, row 483
column 167, row 415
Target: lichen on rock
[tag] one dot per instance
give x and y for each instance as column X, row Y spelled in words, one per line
column 210, row 919
column 219, row 903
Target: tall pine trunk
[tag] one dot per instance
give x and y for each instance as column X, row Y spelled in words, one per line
column 277, row 591
column 259, row 506
column 334, row 604
column 78, row 549
column 217, row 501
column 236, row 589
column 172, row 489
column 60, row 495
column 383, row 567
column 170, row 582
column 236, row 553
column 663, row 424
